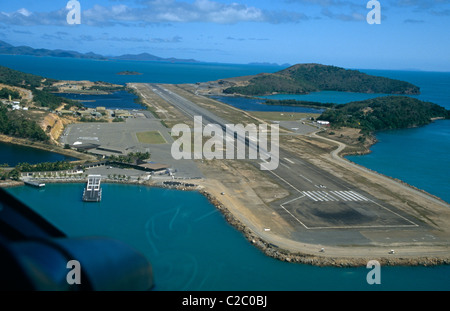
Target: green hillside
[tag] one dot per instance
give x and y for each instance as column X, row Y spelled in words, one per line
column 34, row 83
column 11, row 123
column 306, row 78
column 383, row 113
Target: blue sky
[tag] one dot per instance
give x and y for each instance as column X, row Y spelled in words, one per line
column 413, row 34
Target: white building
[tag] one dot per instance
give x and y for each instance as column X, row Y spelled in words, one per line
column 323, row 122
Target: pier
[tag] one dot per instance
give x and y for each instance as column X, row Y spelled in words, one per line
column 36, row 183
column 93, row 191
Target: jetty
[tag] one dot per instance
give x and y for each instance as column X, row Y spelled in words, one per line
column 35, row 183
column 93, row 190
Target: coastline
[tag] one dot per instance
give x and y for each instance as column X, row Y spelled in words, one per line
column 268, row 248
column 46, row 147
column 281, row 254
column 269, row 244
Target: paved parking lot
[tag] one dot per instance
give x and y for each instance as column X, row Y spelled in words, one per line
column 122, row 136
column 298, row 127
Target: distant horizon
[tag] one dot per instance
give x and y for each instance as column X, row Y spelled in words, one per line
column 410, row 34
column 283, row 66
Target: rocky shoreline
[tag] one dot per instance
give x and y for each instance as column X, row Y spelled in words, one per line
column 274, row 251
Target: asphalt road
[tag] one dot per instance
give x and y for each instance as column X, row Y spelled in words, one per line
column 321, row 205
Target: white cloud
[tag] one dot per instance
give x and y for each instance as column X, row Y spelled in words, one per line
column 24, row 17
column 24, row 12
column 157, row 11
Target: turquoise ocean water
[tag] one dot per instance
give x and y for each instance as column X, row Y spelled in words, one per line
column 326, row 97
column 152, row 72
column 192, row 247
column 14, row 154
column 189, row 243
column 116, row 100
column 256, row 104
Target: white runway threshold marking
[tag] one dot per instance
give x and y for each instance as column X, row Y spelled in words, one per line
column 347, row 196
column 336, row 196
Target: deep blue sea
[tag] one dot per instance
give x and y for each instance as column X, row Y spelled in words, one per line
column 192, row 247
column 255, row 104
column 152, row 72
column 326, row 97
column 116, row 100
column 188, row 241
column 14, row 154
column 417, row 156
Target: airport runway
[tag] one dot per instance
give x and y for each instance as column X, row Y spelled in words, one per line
column 319, row 202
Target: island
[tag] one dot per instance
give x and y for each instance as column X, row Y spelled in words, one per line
column 129, row 73
column 307, row 78
column 8, row 49
column 376, row 114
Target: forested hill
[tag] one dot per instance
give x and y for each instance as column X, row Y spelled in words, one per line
column 11, row 123
column 16, row 123
column 383, row 113
column 21, row 79
column 306, row 78
column 37, row 84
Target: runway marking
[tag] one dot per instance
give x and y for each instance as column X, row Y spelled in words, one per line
column 404, row 218
column 330, row 196
column 357, row 197
column 289, row 161
column 284, row 165
column 361, row 196
column 305, row 178
column 339, row 196
column 165, row 97
column 298, row 220
column 324, row 196
column 351, row 197
column 317, row 195
column 262, row 164
column 310, row 196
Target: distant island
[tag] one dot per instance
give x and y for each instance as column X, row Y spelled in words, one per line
column 269, row 64
column 376, row 114
column 8, row 49
column 307, row 78
column 146, row 57
column 129, row 73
